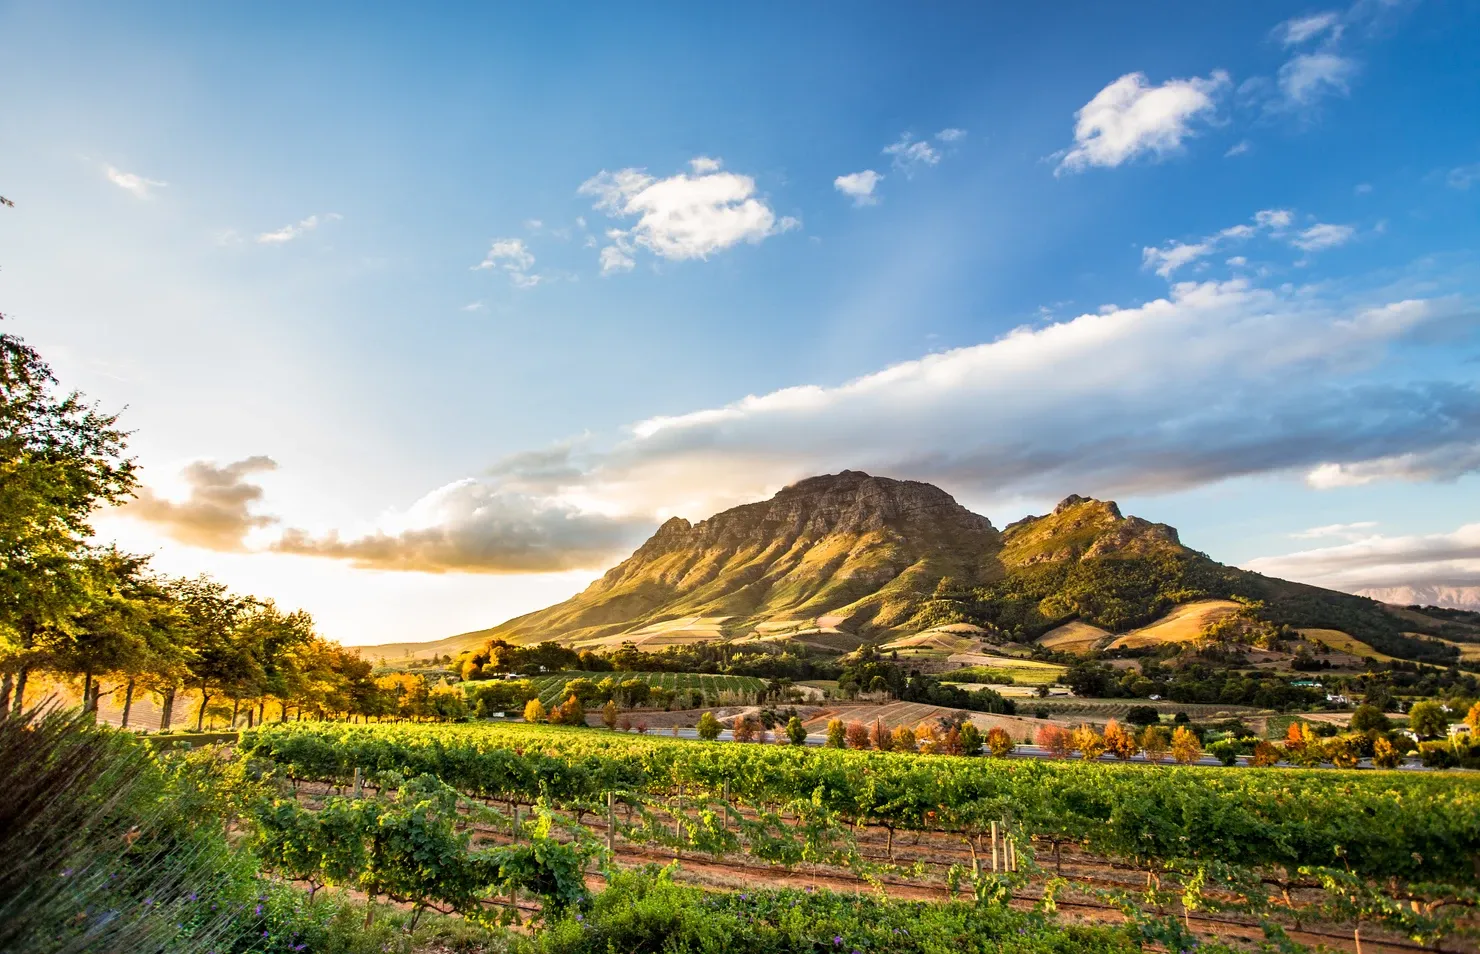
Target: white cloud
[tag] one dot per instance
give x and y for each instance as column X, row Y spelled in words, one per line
column 1322, row 236
column 131, row 182
column 514, row 258
column 1238, row 261
column 680, row 217
column 1347, row 530
column 1305, row 79
column 859, row 186
column 702, row 165
column 1298, row 30
column 951, row 135
column 1426, row 560
column 1130, row 118
column 533, row 225
column 290, row 232
column 1363, row 188
column 1239, row 148
column 1446, row 461
column 473, row 306
column 1166, row 260
column 909, row 155
column 1462, row 177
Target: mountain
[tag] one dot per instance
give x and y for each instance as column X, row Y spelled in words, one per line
column 1448, row 597
column 839, row 560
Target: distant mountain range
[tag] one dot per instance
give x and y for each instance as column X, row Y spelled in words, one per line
column 1451, row 597
column 850, row 558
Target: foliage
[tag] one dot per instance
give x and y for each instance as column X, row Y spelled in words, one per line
column 1428, row 719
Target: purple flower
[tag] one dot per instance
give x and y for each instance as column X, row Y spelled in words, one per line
column 837, row 940
column 259, row 910
column 148, row 902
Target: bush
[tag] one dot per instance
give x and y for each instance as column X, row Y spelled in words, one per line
column 1142, row 715
column 534, row 711
column 856, row 736
column 999, row 743
column 709, row 727
column 837, row 735
column 1265, row 754
column 971, row 739
column 1186, row 749
column 796, row 733
column 1225, row 751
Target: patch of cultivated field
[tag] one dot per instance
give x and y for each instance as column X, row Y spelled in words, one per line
column 1075, row 637
column 1342, row 642
column 1183, row 624
column 1026, row 672
column 1468, row 652
column 673, row 632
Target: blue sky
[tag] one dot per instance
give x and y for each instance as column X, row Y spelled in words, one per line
column 1220, row 266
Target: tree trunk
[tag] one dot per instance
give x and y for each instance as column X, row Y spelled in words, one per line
column 236, row 708
column 167, row 709
column 200, row 717
column 21, row 676
column 7, row 686
column 251, row 713
column 89, row 701
column 128, row 702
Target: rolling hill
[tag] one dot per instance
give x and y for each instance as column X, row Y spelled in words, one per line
column 835, row 561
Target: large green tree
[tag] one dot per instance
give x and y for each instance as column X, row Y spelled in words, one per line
column 60, row 459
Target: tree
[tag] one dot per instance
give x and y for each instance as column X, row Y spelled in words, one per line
column 1385, row 755
column 60, row 460
column 1119, row 742
column 1089, row 743
column 879, row 735
column 1265, row 754
column 1186, row 749
column 796, row 733
column 1428, row 720
column 572, row 712
column 857, row 736
column 902, row 739
column 534, row 711
column 709, row 727
column 971, row 739
column 609, row 716
column 1054, row 740
column 1142, row 715
column 1154, row 742
column 1472, row 718
column 746, row 729
column 999, row 742
column 836, row 734
column 1369, row 718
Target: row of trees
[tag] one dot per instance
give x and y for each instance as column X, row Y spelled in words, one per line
column 100, row 617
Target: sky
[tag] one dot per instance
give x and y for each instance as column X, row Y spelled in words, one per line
column 421, row 321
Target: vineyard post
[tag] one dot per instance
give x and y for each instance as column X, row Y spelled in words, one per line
column 611, row 824
column 727, row 804
column 515, row 833
column 678, row 824
column 359, row 783
column 994, row 847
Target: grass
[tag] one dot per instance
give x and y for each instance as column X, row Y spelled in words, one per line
column 550, row 687
column 1075, row 637
column 1023, row 672
column 1183, row 624
column 1341, row 642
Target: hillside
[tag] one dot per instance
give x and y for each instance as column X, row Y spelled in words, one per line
column 835, row 561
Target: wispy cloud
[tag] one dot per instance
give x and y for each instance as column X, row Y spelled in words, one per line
column 1298, row 30
column 1131, row 118
column 1424, row 560
column 514, row 258
column 909, row 154
column 1167, row 259
column 293, row 230
column 1310, row 77
column 1462, row 177
column 1346, row 530
column 1323, row 236
column 131, row 182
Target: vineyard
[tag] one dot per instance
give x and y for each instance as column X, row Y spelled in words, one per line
column 1395, row 851
column 551, row 688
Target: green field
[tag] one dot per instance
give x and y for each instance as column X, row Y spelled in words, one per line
column 711, row 685
column 1022, row 672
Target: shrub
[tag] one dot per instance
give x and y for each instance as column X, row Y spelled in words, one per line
column 534, row 711
column 902, row 739
column 837, row 735
column 999, row 743
column 1055, row 740
column 709, row 727
column 1225, row 751
column 1385, row 755
column 609, row 714
column 796, row 733
column 856, row 736
column 746, row 728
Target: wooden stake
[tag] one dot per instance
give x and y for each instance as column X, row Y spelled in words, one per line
column 994, row 847
column 611, row 824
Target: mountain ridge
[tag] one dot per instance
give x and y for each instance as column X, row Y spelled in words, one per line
column 853, row 558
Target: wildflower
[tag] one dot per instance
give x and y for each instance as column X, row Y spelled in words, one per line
column 837, row 940
column 259, row 910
